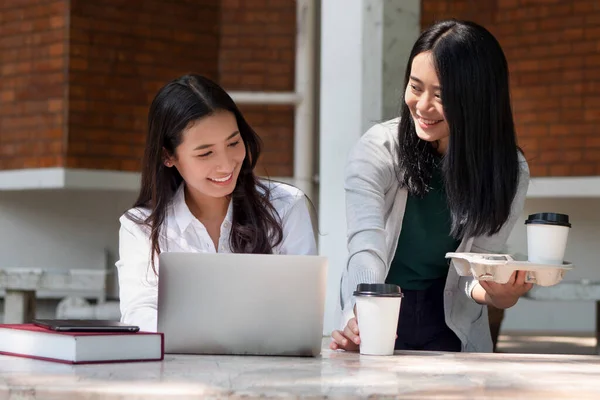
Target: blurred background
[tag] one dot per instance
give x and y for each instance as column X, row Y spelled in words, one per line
column 77, row 77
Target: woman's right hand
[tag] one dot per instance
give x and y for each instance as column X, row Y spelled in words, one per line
column 348, row 339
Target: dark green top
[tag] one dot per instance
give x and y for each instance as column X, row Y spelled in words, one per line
column 424, row 240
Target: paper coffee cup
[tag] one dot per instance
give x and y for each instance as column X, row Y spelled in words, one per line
column 377, row 310
column 547, row 235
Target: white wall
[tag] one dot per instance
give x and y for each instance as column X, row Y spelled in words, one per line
column 71, row 229
column 342, row 120
column 358, row 77
column 60, row 228
column 583, row 250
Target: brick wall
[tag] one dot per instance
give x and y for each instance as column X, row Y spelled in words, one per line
column 552, row 50
column 77, row 77
column 121, row 53
column 257, row 53
column 33, row 54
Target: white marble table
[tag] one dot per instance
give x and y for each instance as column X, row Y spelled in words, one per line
column 334, row 375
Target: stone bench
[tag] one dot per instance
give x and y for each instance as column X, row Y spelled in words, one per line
column 21, row 284
column 584, row 290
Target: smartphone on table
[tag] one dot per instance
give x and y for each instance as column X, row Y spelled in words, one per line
column 85, row 325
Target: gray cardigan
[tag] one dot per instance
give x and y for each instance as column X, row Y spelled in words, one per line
column 375, row 205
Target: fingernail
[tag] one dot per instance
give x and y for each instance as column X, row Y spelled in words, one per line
column 344, row 342
column 356, row 331
column 356, row 340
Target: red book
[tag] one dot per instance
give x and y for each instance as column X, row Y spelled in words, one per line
column 31, row 341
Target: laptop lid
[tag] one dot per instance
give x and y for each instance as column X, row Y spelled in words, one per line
column 241, row 303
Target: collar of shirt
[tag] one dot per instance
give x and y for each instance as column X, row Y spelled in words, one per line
column 184, row 216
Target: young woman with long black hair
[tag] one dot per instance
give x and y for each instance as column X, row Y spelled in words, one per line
column 199, row 193
column 446, row 176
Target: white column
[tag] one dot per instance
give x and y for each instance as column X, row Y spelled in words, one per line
column 304, row 119
column 401, row 27
column 351, row 101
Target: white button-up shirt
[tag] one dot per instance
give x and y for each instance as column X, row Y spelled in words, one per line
column 182, row 232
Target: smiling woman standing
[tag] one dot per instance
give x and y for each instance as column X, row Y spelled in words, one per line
column 447, row 176
column 200, row 194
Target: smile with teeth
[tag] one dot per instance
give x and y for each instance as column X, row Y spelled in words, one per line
column 221, row 180
column 428, row 121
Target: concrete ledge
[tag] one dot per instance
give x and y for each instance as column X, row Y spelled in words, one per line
column 66, row 178
column 70, row 178
column 564, row 187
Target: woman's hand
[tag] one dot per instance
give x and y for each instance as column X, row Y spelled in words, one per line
column 506, row 295
column 348, row 339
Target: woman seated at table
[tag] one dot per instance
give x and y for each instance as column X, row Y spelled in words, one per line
column 199, row 193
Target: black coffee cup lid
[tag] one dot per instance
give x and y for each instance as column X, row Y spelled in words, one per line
column 548, row 218
column 378, row 290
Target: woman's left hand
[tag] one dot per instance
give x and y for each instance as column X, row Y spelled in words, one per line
column 506, row 295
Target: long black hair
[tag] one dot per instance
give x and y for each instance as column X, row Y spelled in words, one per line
column 481, row 165
column 255, row 225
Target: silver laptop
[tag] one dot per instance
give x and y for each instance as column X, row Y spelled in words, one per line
column 241, row 303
